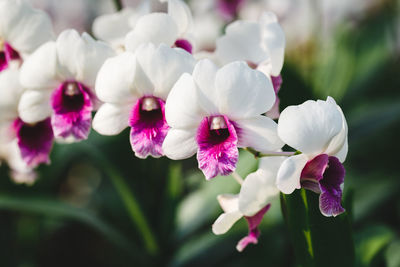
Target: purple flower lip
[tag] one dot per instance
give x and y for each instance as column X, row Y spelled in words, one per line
column 148, row 127
column 254, row 233
column 217, row 146
column 72, row 104
column 325, row 175
column 34, row 141
column 7, row 54
column 184, row 44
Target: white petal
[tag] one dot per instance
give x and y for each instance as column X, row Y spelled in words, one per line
column 153, row 28
column 24, row 27
column 182, row 108
column 338, row 146
column 259, row 133
column 225, row 221
column 310, row 127
column 10, row 93
column 258, row 189
column 228, row 202
column 80, row 58
column 204, row 76
column 114, row 83
column 34, row 106
column 113, row 27
column 111, row 119
column 243, row 92
column 163, row 66
column 342, row 154
column 39, row 71
column 180, row 144
column 19, row 168
column 289, row 173
column 180, row 13
column 242, row 41
column 273, row 37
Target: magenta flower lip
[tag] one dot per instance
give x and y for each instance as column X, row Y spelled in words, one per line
column 34, row 141
column 217, row 146
column 148, row 127
column 72, row 103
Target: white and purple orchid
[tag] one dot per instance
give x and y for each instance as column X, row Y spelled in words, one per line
column 230, row 205
column 22, row 145
column 215, row 111
column 261, row 44
column 59, row 78
column 318, row 129
column 253, row 201
column 173, row 28
column 134, row 88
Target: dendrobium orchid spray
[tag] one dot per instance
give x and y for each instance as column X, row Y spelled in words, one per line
column 146, row 73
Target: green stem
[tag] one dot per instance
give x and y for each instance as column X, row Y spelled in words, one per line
column 118, row 4
column 129, row 200
column 258, row 154
column 317, row 240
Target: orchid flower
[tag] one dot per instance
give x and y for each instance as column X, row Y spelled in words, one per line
column 172, row 28
column 261, row 44
column 134, row 88
column 22, row 30
column 229, row 204
column 318, row 129
column 59, row 77
column 215, row 111
column 253, row 201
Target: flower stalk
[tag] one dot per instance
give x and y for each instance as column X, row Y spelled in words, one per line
column 258, row 154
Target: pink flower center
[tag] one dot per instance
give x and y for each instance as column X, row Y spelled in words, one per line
column 7, row 55
column 217, row 141
column 72, row 106
column 148, row 127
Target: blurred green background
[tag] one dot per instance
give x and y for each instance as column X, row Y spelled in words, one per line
column 79, row 212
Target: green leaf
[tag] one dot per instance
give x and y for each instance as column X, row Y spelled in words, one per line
column 57, row 209
column 317, row 240
column 371, row 241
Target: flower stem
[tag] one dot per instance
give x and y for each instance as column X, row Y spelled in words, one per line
column 118, row 4
column 237, row 177
column 258, row 154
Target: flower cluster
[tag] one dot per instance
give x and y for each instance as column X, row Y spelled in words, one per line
column 147, row 73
